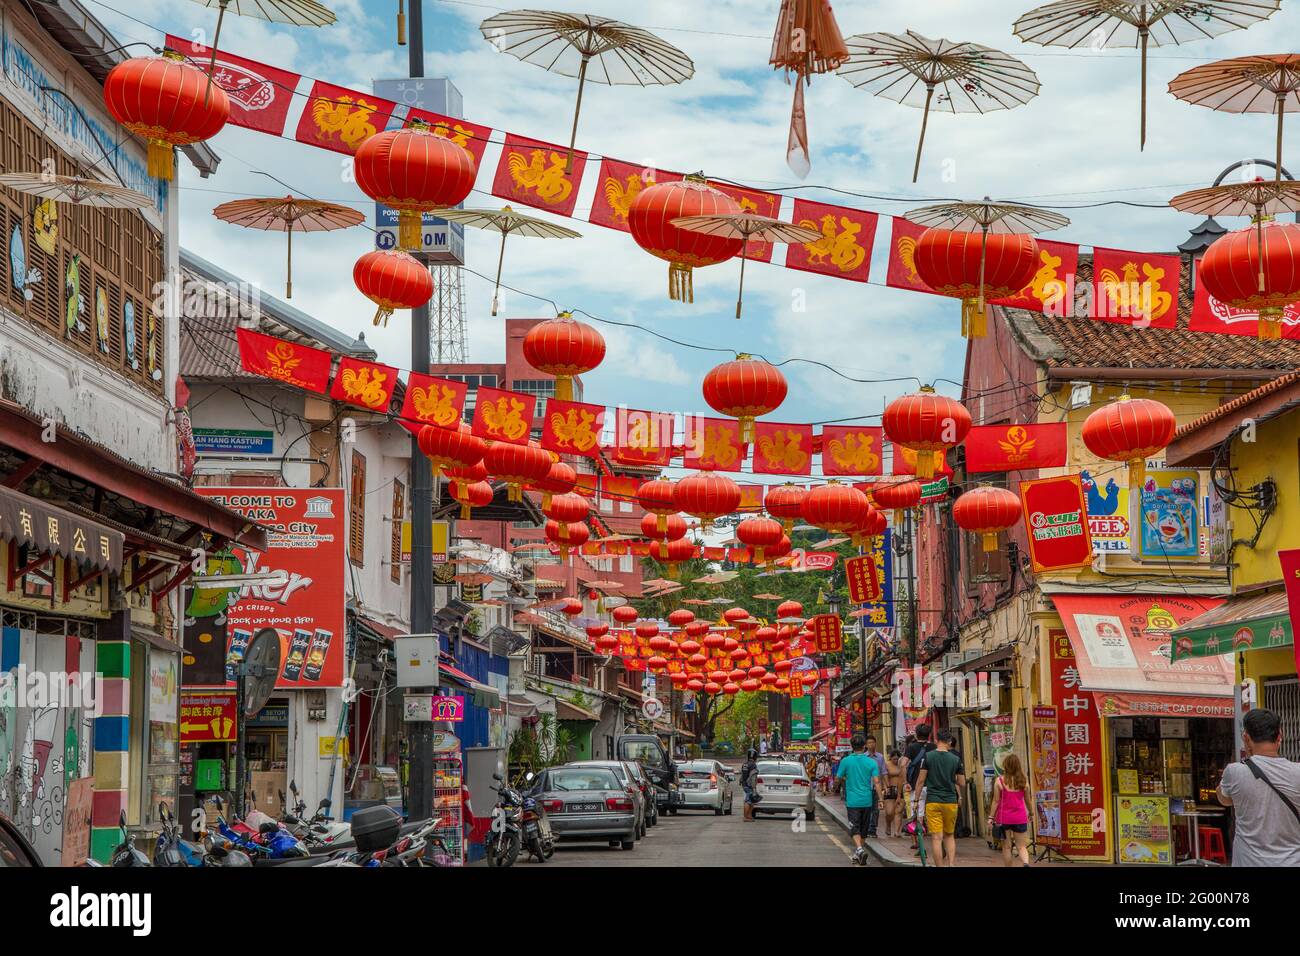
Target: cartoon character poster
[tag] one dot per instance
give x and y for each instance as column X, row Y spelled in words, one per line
column 1168, row 515
column 1108, row 513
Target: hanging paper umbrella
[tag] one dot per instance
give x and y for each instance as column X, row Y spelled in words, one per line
column 303, row 13
column 507, row 222
column 588, row 47
column 76, row 189
column 807, row 41
column 289, row 214
column 1102, row 24
column 1245, row 84
column 745, row 227
column 937, row 74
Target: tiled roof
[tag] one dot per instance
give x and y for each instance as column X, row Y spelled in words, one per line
column 1241, row 401
column 1081, row 342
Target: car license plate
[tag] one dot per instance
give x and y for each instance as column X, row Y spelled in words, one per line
column 584, row 807
column 778, row 786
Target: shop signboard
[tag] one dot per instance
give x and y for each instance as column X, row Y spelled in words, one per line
column 76, row 821
column 1169, row 515
column 441, row 533
column 828, row 633
column 208, row 718
column 306, row 542
column 863, row 582
column 1056, row 523
column 1082, row 774
column 1001, row 738
column 1290, row 561
column 880, row 610
column 801, row 722
column 234, row 441
column 1045, row 753
column 1108, row 514
column 1143, row 834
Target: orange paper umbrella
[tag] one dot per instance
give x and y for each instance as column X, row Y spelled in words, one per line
column 289, row 215
column 807, row 41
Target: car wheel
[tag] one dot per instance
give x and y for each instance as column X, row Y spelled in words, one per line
column 628, row 844
column 717, row 812
column 811, row 815
column 728, row 810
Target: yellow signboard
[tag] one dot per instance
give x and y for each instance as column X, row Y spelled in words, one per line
column 441, row 533
column 329, row 746
column 1144, row 834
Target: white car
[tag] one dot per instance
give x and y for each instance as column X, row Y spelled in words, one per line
column 705, row 785
column 783, row 787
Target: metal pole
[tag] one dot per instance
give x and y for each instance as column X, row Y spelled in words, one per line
column 421, row 734
column 910, row 532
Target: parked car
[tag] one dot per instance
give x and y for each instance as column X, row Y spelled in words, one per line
column 783, row 787
column 649, row 751
column 706, row 784
column 627, row 778
column 15, row 851
column 589, row 803
column 648, row 791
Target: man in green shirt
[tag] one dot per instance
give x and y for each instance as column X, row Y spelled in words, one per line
column 859, row 775
column 942, row 780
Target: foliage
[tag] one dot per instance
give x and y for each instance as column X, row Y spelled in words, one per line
column 538, row 746
column 739, row 724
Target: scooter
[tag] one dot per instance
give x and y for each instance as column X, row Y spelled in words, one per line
column 171, row 850
column 505, row 837
column 126, row 854
column 537, row 837
column 321, row 832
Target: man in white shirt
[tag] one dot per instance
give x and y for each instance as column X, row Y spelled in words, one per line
column 1264, row 790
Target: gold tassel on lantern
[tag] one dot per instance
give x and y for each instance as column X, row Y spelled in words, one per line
column 401, row 22
column 925, row 464
column 410, row 229
column 974, row 319
column 161, row 158
column 1270, row 325
column 1137, row 473
column 746, row 429
column 681, row 287
column 564, row 388
column 662, row 523
column 382, row 314
column 464, row 511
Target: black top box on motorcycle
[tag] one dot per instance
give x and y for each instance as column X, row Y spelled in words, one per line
column 376, row 828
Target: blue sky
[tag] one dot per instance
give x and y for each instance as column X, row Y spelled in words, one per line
column 1074, row 144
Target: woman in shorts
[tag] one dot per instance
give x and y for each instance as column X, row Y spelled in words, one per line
column 1009, row 813
column 893, row 787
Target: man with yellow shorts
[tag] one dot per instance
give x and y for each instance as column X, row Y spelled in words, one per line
column 942, row 780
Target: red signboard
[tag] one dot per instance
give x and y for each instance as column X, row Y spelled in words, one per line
column 307, row 541
column 500, row 415
column 864, row 584
column 573, row 428
column 844, row 249
column 260, row 95
column 208, row 718
column 1082, row 774
column 1291, row 576
column 852, row 450
column 1135, row 288
column 433, row 401
column 1015, row 447
column 1056, row 521
column 298, row 365
column 337, row 118
column 782, row 449
column 827, row 633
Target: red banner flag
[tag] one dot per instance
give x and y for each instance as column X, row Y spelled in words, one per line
column 758, row 202
column 643, row 438
column 901, row 273
column 712, row 443
column 1135, row 288
column 573, row 428
column 852, row 450
column 712, row 553
column 782, row 449
column 500, row 415
column 367, row 384
column 751, row 498
column 904, row 462
column 471, row 137
column 298, row 365
column 1058, row 263
column 1056, row 521
column 1290, row 561
column 844, row 250
column 618, row 185
column 863, row 582
column 433, row 401
column 260, row 95
column 1015, row 447
column 1211, row 315
column 341, row 119
column 532, row 172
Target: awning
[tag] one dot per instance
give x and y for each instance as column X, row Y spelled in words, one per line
column 998, row 659
column 1121, row 644
column 47, row 529
column 518, row 705
column 482, row 695
column 156, row 640
column 567, row 711
column 376, row 630
column 1241, row 623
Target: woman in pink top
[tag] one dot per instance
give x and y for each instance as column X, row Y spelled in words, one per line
column 1009, row 814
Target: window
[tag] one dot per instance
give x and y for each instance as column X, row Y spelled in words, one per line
column 357, row 511
column 395, row 541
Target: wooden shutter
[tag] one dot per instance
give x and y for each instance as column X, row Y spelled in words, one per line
column 395, row 544
column 357, row 511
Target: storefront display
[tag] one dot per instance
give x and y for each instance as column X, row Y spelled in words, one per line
column 448, row 800
column 1142, row 830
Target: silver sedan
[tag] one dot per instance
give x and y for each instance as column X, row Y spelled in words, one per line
column 783, row 787
column 705, row 784
column 589, row 803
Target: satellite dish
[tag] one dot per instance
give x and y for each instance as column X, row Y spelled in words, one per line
column 260, row 669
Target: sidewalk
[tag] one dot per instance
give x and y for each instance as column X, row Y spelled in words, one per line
column 971, row 851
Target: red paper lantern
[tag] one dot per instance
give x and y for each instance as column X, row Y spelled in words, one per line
column 730, row 688
column 657, row 663
column 873, row 523
column 757, row 671
column 624, row 614
column 835, row 507
column 681, row 617
column 697, row 628
column 474, row 472
column 706, row 495
column 746, row 626
column 1257, row 269
column 471, row 494
column 559, row 480
column 392, row 279
column 413, row 171
column 697, row 659
column 650, row 221
column 788, row 609
column 783, row 667
column 517, row 465
column 736, row 674
column 898, row 495
column 679, row 679
column 597, row 630
column 661, row 644
column 567, row 508
column 166, row 101
column 713, row 687
column 926, row 422
column 571, row 607
column 689, row 648
column 566, row 535
column 975, row 267
column 750, row 685
column 1130, row 430
column 647, row 629
column 607, row 643
column 780, row 550
column 987, row 510
column 674, row 527
column 714, row 640
column 785, row 503
column 448, row 448
column 729, row 644
column 759, row 534
column 672, row 553
column 565, row 348
column 768, row 680
column 765, row 634
column 781, row 684
column 657, row 497
column 733, row 614
column 695, row 684
column 745, row 389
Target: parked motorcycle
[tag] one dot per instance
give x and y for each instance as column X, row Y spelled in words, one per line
column 505, row 836
column 126, row 854
column 537, row 835
column 321, row 833
column 171, row 849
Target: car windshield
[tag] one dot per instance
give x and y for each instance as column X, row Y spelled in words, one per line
column 769, row 766
column 568, row 779
column 643, row 750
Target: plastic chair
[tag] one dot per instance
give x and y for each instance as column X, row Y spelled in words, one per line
column 1212, row 846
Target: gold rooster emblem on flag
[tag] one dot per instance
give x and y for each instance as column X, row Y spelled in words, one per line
column 906, row 249
column 1017, row 445
column 621, row 194
column 365, row 386
column 575, row 428
column 718, row 447
column 781, row 449
column 435, row 404
column 504, row 417
column 282, row 360
column 548, row 182
column 1047, row 288
column 1133, row 298
column 856, row 454
column 642, row 434
column 839, row 244
column 344, row 119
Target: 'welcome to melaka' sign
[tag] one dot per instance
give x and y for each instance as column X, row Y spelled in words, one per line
column 1056, row 522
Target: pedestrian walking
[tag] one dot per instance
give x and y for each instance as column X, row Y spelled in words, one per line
column 1009, row 814
column 893, row 796
column 748, row 773
column 1264, row 793
column 940, row 783
column 918, row 745
column 824, row 771
column 859, row 774
column 874, row 753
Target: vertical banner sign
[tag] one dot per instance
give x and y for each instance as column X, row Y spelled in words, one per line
column 880, row 611
column 1169, row 514
column 902, row 273
column 827, row 633
column 1056, row 520
column 1290, row 561
column 643, row 438
column 1108, row 514
column 306, row 541
column 844, row 249
column 801, row 722
column 1082, row 776
column 863, row 582
column 1045, row 754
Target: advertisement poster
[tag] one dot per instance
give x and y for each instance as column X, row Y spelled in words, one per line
column 801, row 722
column 1169, row 515
column 1290, row 561
column 1143, row 833
column 1001, row 734
column 1082, row 775
column 1055, row 521
column 306, row 541
column 1108, row 514
column 1045, row 777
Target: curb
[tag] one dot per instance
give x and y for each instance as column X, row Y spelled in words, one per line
column 874, row 847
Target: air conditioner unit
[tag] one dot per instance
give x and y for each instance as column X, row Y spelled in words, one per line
column 951, row 660
column 971, row 653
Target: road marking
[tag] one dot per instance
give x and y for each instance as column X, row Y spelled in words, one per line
column 830, row 836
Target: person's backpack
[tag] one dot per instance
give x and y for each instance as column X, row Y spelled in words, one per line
column 914, row 766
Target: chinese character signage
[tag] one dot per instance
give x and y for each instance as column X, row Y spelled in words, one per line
column 1045, row 737
column 1056, row 521
column 827, row 633
column 863, row 581
column 1082, row 776
column 880, row 611
column 208, row 717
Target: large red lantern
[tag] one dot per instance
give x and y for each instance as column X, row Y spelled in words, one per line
column 392, row 279
column 745, row 389
column 759, row 534
column 926, row 422
column 681, row 617
column 657, row 497
column 872, row 525
column 517, row 465
column 567, row 534
column 560, row 479
column 567, row 508
column 471, row 494
column 781, row 549
column 785, row 504
column 448, row 448
column 565, row 348
column 731, row 688
column 987, row 510
column 706, row 495
column 647, row 629
column 571, row 607
column 714, row 640
column 650, row 221
column 607, row 643
column 1236, row 272
column 1130, row 430
column 750, row 684
column 788, row 609
column 674, row 527
column 413, row 171
column 975, row 267
column 597, row 630
column 899, row 495
column 672, row 553
column 166, row 101
column 835, row 507
column 624, row 614
column 765, row 634
column 733, row 614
